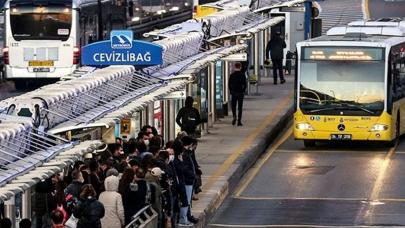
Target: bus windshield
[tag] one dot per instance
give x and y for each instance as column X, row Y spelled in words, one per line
column 40, row 23
column 345, row 84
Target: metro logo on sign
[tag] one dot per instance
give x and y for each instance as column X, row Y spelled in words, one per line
column 121, row 49
column 121, row 39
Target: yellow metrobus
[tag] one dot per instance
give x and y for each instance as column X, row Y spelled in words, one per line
column 350, row 84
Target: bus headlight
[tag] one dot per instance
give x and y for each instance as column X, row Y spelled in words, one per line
column 379, row 127
column 304, row 127
column 135, row 19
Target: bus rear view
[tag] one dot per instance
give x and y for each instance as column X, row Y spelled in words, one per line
column 40, row 40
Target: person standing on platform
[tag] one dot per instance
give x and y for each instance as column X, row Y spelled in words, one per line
column 237, row 87
column 188, row 118
column 112, row 201
column 276, row 48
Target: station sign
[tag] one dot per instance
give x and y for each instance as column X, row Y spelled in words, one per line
column 236, row 57
column 121, row 49
column 177, row 95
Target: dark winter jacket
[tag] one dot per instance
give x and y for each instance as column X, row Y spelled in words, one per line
column 188, row 119
column 237, row 83
column 181, row 187
column 189, row 168
column 93, row 179
column 275, row 46
column 74, row 189
column 134, row 200
column 89, row 212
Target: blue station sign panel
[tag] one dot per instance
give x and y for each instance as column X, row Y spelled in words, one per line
column 121, row 49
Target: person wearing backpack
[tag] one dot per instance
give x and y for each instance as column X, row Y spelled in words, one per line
column 188, row 117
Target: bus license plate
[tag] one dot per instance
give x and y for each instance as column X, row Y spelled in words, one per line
column 340, row 137
column 41, row 69
column 37, row 63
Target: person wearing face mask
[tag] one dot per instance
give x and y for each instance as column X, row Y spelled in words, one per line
column 117, row 153
column 143, row 138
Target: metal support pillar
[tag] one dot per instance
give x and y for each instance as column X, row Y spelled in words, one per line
column 266, row 37
column 26, row 204
column 189, row 89
column 211, row 95
column 256, row 63
column 261, row 56
column 9, row 210
column 172, row 120
column 117, row 128
column 166, row 120
column 150, row 113
column 143, row 117
column 225, row 86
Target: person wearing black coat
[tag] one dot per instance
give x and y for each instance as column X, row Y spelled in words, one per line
column 89, row 211
column 276, row 48
column 180, row 170
column 237, row 87
column 75, row 187
column 133, row 194
column 188, row 117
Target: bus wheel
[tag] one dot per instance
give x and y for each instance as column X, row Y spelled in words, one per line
column 309, row 143
column 20, row 84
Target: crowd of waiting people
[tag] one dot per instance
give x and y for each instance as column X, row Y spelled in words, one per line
column 107, row 189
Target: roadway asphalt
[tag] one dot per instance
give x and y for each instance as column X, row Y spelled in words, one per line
column 7, row 90
column 386, row 8
column 355, row 184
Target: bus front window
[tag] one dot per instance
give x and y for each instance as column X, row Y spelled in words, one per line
column 343, row 84
column 40, row 23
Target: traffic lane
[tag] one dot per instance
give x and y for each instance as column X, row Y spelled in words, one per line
column 329, row 171
column 306, row 213
column 299, row 186
column 382, row 8
column 7, row 90
column 394, row 182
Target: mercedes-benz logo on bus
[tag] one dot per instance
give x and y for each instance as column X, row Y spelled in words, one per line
column 341, row 127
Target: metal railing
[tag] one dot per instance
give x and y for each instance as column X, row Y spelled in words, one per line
column 145, row 218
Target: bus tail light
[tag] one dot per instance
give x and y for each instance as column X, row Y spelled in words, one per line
column 76, row 55
column 5, row 56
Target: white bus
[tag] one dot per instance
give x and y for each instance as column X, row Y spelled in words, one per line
column 43, row 37
column 41, row 40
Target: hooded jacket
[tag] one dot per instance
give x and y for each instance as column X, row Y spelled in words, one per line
column 188, row 117
column 112, row 201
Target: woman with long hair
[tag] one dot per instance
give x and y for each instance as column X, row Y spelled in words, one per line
column 89, row 211
column 133, row 194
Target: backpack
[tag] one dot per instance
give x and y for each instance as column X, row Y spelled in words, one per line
column 189, row 120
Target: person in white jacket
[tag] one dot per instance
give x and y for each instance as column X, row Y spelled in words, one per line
column 112, row 201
